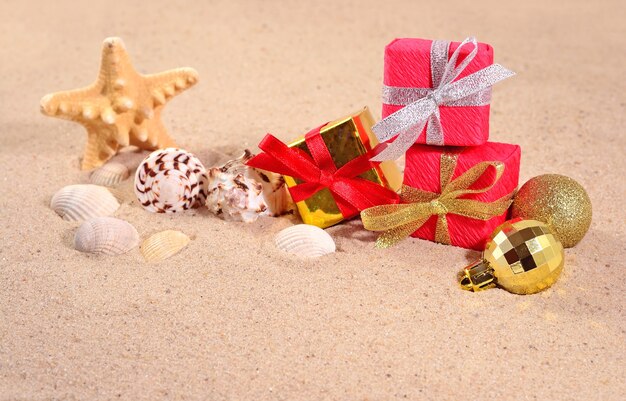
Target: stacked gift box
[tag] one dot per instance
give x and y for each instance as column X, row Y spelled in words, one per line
column 457, row 185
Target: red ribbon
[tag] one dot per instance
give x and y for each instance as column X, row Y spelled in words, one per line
column 351, row 193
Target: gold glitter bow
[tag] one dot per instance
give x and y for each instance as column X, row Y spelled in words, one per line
column 401, row 220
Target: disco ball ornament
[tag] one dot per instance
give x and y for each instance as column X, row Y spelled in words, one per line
column 521, row 256
column 557, row 200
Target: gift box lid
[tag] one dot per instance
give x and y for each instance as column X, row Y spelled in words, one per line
column 357, row 126
column 407, row 61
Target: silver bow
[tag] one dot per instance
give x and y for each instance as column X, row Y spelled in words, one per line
column 422, row 104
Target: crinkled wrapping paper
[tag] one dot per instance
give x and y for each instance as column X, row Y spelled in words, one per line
column 408, row 64
column 422, row 171
column 345, row 139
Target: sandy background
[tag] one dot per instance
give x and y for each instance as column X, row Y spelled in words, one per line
column 230, row 317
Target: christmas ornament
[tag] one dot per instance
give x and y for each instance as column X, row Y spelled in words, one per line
column 558, row 201
column 522, row 256
column 122, row 107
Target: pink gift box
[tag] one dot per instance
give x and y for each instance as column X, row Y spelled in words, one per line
column 422, row 171
column 408, row 65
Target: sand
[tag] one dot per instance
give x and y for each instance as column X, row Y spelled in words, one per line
column 232, row 318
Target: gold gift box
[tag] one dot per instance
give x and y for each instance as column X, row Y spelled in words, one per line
column 346, row 139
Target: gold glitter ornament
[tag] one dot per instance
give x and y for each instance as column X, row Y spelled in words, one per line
column 522, row 256
column 558, row 201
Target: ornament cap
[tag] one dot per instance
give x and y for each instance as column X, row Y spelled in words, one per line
column 478, row 276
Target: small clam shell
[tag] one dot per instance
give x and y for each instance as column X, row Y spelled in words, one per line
column 164, row 244
column 109, row 175
column 84, row 201
column 106, row 235
column 170, row 180
column 305, row 241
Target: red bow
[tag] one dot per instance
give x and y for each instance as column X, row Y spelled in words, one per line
column 351, row 193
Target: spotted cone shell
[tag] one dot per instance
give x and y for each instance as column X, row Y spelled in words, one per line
column 170, row 180
column 106, row 235
column 84, row 201
column 238, row 192
column 305, row 241
column 163, row 245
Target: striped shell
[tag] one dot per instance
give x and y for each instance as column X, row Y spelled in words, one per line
column 237, row 192
column 106, row 235
column 305, row 241
column 109, row 175
column 170, row 180
column 163, row 245
column 84, row 201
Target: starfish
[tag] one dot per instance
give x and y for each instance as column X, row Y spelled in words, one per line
column 122, row 107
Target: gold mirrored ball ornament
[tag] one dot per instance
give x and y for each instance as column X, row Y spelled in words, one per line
column 558, row 201
column 521, row 256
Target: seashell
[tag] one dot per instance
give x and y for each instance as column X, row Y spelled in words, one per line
column 106, row 235
column 237, row 192
column 84, row 201
column 305, row 240
column 170, row 180
column 109, row 175
column 164, row 244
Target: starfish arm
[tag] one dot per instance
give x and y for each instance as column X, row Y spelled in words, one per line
column 100, row 147
column 151, row 135
column 165, row 85
column 138, row 133
column 122, row 131
column 78, row 105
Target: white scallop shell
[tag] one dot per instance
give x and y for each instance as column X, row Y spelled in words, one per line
column 106, row 235
column 109, row 175
column 84, row 201
column 237, row 192
column 170, row 180
column 305, row 241
column 163, row 245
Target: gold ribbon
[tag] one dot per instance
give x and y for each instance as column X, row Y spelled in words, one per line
column 401, row 220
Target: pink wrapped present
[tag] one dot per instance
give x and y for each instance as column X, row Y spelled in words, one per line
column 424, row 171
column 436, row 92
column 450, row 195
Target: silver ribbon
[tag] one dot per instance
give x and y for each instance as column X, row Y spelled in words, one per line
column 422, row 104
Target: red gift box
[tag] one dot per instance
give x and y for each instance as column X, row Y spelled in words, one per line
column 408, row 65
column 423, row 171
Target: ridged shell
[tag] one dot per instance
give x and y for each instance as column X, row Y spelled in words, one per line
column 83, row 201
column 305, row 241
column 109, row 175
column 163, row 245
column 170, row 180
column 240, row 193
column 106, row 235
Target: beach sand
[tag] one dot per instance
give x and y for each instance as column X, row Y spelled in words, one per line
column 230, row 317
